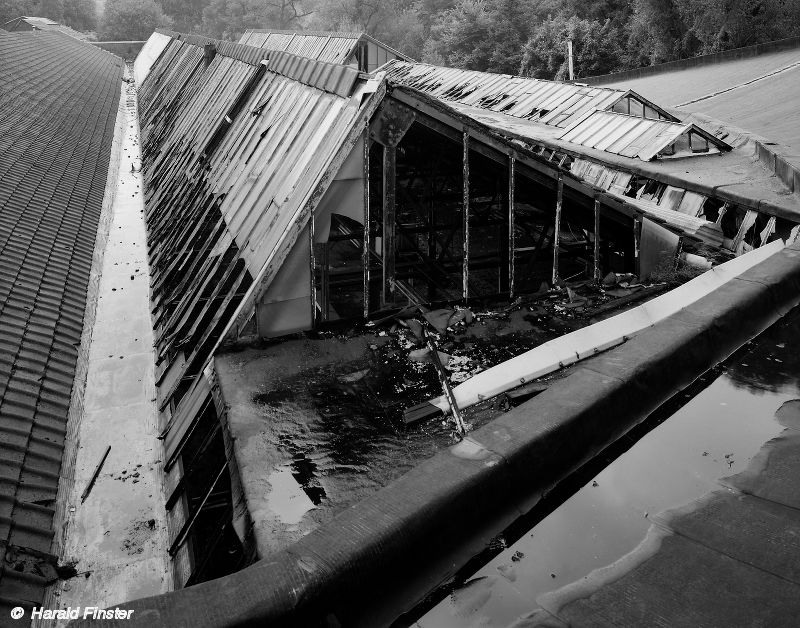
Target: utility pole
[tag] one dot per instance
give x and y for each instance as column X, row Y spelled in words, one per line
column 569, row 59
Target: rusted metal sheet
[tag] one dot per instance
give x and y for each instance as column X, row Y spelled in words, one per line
column 330, row 77
column 658, row 248
column 550, row 102
column 150, row 52
column 333, row 47
column 632, row 136
column 231, row 154
column 603, row 177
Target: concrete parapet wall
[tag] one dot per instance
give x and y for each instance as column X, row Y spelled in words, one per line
column 376, row 559
column 773, row 161
column 692, row 62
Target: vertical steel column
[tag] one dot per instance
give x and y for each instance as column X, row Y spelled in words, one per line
column 596, row 273
column 557, row 229
column 365, row 249
column 636, row 231
column 722, row 211
column 465, row 217
column 389, row 163
column 313, row 270
column 325, row 264
column 511, row 234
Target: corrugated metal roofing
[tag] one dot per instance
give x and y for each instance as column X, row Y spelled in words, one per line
column 232, row 155
column 630, row 136
column 150, row 52
column 330, row 46
column 549, row 102
column 59, row 101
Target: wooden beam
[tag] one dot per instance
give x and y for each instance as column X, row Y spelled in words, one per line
column 596, row 273
column 511, row 235
column 465, row 216
column 365, row 249
column 389, row 181
column 557, row 230
column 325, row 293
column 313, row 264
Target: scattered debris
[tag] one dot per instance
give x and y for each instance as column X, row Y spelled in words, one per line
column 93, row 479
column 523, row 393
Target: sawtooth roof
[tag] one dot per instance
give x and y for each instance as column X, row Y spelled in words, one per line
column 330, row 46
column 552, row 103
column 235, row 153
column 59, row 101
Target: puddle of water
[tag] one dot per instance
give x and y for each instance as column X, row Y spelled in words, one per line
column 286, row 498
column 339, row 429
column 714, row 435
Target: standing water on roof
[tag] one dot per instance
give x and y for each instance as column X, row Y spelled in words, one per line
column 713, row 435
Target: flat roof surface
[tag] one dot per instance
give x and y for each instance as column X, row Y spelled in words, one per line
column 59, row 102
column 759, row 94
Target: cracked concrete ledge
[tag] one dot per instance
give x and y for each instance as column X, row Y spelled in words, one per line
column 66, row 480
column 365, row 567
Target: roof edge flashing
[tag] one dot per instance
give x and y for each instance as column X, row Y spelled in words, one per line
column 330, row 77
column 240, row 52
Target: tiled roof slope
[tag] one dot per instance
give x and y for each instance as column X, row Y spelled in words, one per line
column 43, row 24
column 58, row 99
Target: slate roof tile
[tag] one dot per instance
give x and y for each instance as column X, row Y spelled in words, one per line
column 59, row 102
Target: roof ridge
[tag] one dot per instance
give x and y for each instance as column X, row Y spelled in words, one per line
column 330, row 77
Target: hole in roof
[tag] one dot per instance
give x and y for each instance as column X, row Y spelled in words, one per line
column 492, row 100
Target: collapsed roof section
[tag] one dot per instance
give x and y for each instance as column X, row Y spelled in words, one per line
column 284, row 192
column 549, row 102
column 236, row 153
column 241, row 144
column 358, row 49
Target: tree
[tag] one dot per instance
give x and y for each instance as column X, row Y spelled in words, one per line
column 79, row 14
column 186, row 15
column 132, row 19
column 10, row 9
column 394, row 22
column 724, row 24
column 459, row 37
column 597, row 48
column 657, row 33
column 228, row 19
